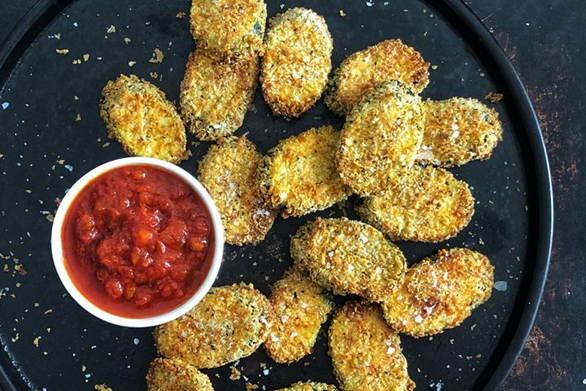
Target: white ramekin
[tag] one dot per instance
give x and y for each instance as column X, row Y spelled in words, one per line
column 57, row 250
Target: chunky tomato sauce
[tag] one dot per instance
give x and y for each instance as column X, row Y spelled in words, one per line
column 138, row 241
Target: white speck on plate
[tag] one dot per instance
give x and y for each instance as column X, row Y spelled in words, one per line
column 5, row 105
column 136, row 341
column 500, row 286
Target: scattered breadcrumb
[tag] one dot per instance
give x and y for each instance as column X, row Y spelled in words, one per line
column 157, row 57
column 76, row 62
column 434, row 67
column 78, row 117
column 131, row 63
column 154, row 75
column 102, row 387
column 250, row 386
column 235, row 374
column 36, row 342
column 62, row 51
column 127, row 40
column 111, row 29
column 180, row 15
column 493, row 97
column 342, row 13
column 86, row 57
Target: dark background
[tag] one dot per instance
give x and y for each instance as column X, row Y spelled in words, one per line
column 545, row 42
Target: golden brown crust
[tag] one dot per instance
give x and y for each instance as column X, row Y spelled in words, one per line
column 228, row 324
column 362, row 71
column 217, row 91
column 348, row 257
column 366, row 352
column 300, row 174
column 175, row 375
column 300, row 307
column 296, row 62
column 457, row 131
column 427, row 205
column 309, row 386
column 380, row 138
column 140, row 117
column 228, row 25
column 229, row 172
column 439, row 292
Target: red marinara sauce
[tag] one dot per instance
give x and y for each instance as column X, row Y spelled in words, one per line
column 138, row 241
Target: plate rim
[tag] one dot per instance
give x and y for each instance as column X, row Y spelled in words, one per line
column 30, row 25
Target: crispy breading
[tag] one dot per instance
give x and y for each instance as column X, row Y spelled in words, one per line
column 380, row 138
column 427, row 205
column 229, row 26
column 439, row 292
column 175, row 375
column 348, row 257
column 296, row 62
column 217, row 91
column 362, row 71
column 228, row 324
column 229, row 172
column 366, row 352
column 309, row 386
column 300, row 174
column 301, row 307
column 140, row 117
column 458, row 130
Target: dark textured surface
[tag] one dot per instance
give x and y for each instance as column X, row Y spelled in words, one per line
column 543, row 56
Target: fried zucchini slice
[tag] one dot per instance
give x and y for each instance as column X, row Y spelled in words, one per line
column 139, row 116
column 458, row 130
column 229, row 172
column 301, row 307
column 217, row 91
column 309, row 386
column 228, row 324
column 229, row 26
column 296, row 62
column 380, row 138
column 348, row 257
column 427, row 205
column 360, row 72
column 300, row 174
column 439, row 292
column 366, row 352
column 175, row 375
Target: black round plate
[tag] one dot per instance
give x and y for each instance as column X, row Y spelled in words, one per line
column 50, row 343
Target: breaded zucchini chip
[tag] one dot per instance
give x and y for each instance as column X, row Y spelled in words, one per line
column 348, row 257
column 380, row 138
column 309, row 386
column 360, row 72
column 366, row 352
column 175, row 375
column 300, row 174
column 439, row 292
column 457, row 131
column 296, row 62
column 427, row 205
column 301, row 307
column 139, row 116
column 228, row 324
column 229, row 25
column 229, row 172
column 217, row 91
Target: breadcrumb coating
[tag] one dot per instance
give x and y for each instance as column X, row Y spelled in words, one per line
column 439, row 292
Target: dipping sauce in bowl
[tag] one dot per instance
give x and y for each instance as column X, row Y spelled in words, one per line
column 137, row 241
